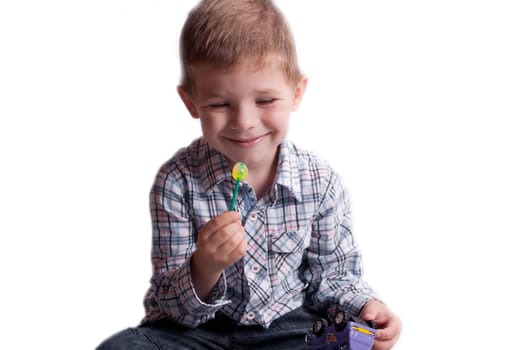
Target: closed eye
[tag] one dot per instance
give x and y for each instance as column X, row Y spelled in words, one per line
column 218, row 105
column 266, row 101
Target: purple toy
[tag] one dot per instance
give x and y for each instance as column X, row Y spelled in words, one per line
column 344, row 333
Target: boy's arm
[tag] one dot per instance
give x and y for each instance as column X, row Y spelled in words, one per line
column 172, row 294
column 334, row 259
column 221, row 243
column 335, row 267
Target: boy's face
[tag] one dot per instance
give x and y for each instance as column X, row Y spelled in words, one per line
column 244, row 112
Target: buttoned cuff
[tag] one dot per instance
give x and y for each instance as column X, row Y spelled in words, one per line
column 358, row 302
column 200, row 310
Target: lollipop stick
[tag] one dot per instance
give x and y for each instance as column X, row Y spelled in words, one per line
column 234, row 198
column 239, row 173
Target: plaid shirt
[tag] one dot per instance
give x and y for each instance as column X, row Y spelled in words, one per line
column 300, row 245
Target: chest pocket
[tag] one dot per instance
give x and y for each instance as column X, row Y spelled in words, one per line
column 290, row 241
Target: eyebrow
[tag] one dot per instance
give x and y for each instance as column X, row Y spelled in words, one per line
column 267, row 91
column 213, row 95
column 258, row 92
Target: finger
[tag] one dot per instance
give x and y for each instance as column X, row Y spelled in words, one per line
column 231, row 238
column 387, row 337
column 217, row 223
column 382, row 319
column 231, row 251
column 377, row 312
column 214, row 242
column 371, row 315
column 238, row 252
column 392, row 329
column 385, row 334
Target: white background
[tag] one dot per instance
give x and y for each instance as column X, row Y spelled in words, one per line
column 418, row 104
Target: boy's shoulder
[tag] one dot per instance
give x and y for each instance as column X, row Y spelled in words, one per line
column 196, row 162
column 195, row 153
column 184, row 157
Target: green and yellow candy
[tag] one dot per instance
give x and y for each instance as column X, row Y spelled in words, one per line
column 239, row 173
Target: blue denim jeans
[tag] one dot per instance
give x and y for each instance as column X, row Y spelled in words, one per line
column 221, row 333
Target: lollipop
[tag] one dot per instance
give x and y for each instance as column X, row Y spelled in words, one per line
column 239, row 173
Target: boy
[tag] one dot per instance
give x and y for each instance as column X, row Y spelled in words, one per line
column 259, row 276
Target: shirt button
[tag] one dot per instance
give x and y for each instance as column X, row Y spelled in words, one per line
column 250, row 315
column 253, row 216
column 255, row 268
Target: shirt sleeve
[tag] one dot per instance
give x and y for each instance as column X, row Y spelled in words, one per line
column 334, row 260
column 171, row 294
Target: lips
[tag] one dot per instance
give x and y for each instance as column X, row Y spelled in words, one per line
column 245, row 142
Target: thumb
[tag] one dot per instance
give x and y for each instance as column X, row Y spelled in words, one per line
column 369, row 315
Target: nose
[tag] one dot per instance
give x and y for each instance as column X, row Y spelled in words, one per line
column 243, row 117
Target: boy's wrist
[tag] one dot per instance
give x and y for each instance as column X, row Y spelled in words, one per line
column 201, row 267
column 202, row 277
column 197, row 309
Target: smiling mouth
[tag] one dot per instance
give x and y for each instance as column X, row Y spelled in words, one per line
column 246, row 142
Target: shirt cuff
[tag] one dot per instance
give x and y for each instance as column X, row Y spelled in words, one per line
column 199, row 309
column 358, row 302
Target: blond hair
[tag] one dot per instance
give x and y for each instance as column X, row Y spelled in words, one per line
column 222, row 33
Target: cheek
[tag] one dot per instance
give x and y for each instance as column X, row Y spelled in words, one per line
column 279, row 120
column 210, row 125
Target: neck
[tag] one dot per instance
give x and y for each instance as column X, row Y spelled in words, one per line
column 261, row 178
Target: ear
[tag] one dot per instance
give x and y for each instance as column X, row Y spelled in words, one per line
column 188, row 102
column 299, row 92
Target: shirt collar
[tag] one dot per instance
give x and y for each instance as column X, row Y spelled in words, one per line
column 288, row 173
column 215, row 168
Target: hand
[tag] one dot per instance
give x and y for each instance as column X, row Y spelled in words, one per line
column 220, row 243
column 388, row 324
